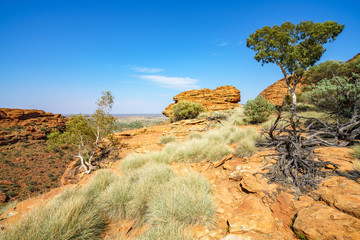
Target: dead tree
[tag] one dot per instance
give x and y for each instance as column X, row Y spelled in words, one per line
column 296, row 164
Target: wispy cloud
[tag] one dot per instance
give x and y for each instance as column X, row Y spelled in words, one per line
column 145, row 69
column 182, row 83
column 240, row 43
column 223, row 44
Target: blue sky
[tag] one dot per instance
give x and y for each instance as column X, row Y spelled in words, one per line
column 59, row 55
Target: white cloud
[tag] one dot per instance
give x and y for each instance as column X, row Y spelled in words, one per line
column 146, row 69
column 239, row 43
column 223, row 44
column 182, row 83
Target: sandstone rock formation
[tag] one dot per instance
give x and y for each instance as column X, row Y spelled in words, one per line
column 27, row 124
column 277, row 91
column 221, row 98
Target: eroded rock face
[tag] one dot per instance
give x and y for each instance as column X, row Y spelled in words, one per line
column 276, row 92
column 221, row 98
column 27, row 124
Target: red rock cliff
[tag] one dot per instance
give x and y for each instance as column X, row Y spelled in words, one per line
column 221, row 98
column 27, row 124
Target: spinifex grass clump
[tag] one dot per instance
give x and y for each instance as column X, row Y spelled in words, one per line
column 167, row 139
column 71, row 215
column 210, row 146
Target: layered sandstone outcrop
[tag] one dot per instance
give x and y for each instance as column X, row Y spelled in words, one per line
column 277, row 91
column 27, row 124
column 221, row 98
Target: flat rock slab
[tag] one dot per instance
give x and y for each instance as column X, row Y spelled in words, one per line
column 252, row 215
column 341, row 193
column 322, row 222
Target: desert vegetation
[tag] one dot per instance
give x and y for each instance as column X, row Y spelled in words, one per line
column 258, row 110
column 165, row 203
column 84, row 133
column 186, row 110
column 148, row 192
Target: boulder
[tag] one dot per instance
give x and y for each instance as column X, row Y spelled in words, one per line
column 221, row 98
column 322, row 222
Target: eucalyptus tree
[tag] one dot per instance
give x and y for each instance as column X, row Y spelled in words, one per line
column 294, row 48
column 83, row 133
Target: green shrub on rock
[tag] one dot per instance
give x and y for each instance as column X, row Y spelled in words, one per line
column 186, row 110
column 258, row 110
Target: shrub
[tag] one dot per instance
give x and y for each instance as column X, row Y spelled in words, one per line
column 338, row 96
column 167, row 139
column 186, row 110
column 258, row 110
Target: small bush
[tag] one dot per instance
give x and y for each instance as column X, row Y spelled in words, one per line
column 167, row 139
column 258, row 110
column 186, row 110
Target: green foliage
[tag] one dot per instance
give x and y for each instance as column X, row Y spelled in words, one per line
column 337, row 96
column 294, row 47
column 186, row 110
column 83, row 133
column 258, row 110
column 330, row 69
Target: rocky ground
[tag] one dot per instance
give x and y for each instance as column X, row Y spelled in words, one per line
column 247, row 207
